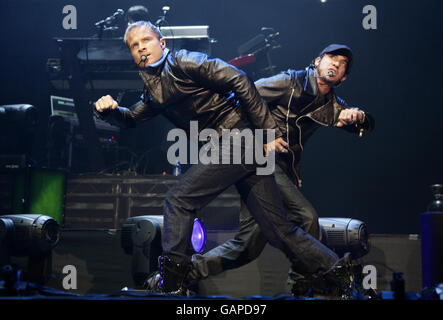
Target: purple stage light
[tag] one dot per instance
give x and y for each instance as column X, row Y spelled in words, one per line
column 198, row 237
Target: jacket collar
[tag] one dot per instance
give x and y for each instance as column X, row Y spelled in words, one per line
column 161, row 60
column 156, row 67
column 310, row 84
column 326, row 113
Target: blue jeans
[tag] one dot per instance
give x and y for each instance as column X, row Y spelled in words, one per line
column 249, row 241
column 204, row 182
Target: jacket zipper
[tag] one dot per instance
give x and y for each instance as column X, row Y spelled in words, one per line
column 299, row 129
column 287, row 138
column 299, row 134
column 301, row 145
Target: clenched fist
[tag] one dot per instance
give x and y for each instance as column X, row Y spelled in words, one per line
column 350, row 116
column 105, row 103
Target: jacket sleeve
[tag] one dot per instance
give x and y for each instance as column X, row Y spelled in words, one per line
column 274, row 88
column 223, row 78
column 127, row 117
column 367, row 126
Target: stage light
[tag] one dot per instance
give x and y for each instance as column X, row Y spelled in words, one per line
column 6, row 229
column 29, row 235
column 18, row 123
column 141, row 238
column 198, row 237
column 24, row 114
column 345, row 235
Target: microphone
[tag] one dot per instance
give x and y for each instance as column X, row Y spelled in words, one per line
column 111, row 19
column 162, row 19
column 273, row 35
column 119, row 12
column 329, row 74
column 143, row 58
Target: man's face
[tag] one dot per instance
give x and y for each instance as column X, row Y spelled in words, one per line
column 143, row 41
column 332, row 62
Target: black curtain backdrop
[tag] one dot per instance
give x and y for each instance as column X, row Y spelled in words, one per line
column 382, row 178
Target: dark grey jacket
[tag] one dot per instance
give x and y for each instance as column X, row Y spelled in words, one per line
column 190, row 86
column 297, row 92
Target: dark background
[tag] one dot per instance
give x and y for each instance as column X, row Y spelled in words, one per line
column 382, row 178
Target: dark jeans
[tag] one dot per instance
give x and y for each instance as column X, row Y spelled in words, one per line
column 204, row 182
column 249, row 241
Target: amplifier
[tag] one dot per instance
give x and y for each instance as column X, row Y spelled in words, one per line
column 12, row 162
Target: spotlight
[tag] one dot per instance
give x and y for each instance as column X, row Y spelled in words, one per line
column 345, row 235
column 18, row 123
column 6, row 227
column 141, row 238
column 29, row 235
column 198, row 237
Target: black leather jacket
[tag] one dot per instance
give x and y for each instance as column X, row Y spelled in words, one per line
column 299, row 110
column 190, row 86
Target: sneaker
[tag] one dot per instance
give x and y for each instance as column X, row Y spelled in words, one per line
column 302, row 288
column 342, row 279
column 153, row 281
column 169, row 279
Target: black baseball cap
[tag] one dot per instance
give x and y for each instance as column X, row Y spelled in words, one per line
column 342, row 50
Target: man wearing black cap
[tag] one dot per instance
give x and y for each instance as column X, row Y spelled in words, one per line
column 300, row 101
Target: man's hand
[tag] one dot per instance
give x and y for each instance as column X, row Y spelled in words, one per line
column 105, row 103
column 278, row 145
column 350, row 116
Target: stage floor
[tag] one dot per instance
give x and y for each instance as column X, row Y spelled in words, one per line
column 102, row 267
